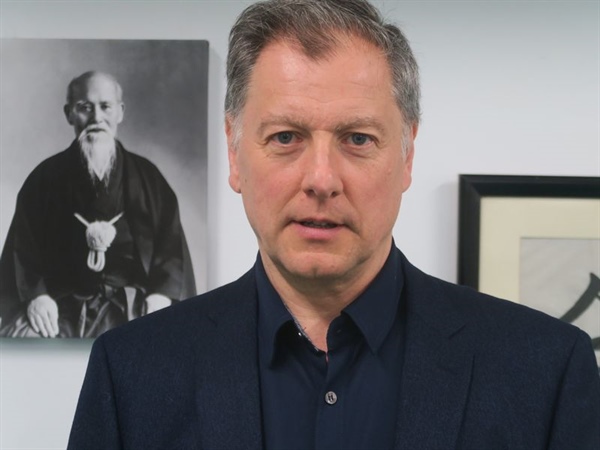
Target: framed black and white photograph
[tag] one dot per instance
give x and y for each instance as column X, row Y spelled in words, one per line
column 535, row 240
column 103, row 182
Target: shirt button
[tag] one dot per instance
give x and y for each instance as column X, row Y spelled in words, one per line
column 330, row 398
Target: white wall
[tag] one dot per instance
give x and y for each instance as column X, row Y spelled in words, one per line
column 508, row 88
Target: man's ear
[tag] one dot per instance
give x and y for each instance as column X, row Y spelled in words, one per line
column 121, row 112
column 410, row 154
column 232, row 153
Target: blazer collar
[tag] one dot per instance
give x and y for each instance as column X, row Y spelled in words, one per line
column 437, row 365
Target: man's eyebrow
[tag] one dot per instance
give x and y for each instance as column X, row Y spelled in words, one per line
column 360, row 122
column 281, row 120
column 354, row 124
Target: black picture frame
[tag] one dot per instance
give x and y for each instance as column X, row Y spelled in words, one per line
column 473, row 188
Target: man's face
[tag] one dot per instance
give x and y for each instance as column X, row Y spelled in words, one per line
column 319, row 162
column 95, row 107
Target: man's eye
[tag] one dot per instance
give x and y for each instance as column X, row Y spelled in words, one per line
column 359, row 139
column 285, row 137
column 106, row 107
column 84, row 107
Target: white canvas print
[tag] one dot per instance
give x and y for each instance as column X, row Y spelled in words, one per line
column 561, row 277
column 103, row 182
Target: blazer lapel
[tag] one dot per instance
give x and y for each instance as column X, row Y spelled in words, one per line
column 437, row 367
column 227, row 384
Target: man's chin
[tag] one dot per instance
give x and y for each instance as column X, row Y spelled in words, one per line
column 316, row 266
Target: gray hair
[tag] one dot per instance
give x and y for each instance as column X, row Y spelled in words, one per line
column 316, row 25
column 84, row 77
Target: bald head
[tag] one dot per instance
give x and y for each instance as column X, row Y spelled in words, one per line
column 81, row 81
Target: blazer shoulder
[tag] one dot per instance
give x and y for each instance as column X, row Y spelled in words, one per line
column 192, row 317
column 447, row 304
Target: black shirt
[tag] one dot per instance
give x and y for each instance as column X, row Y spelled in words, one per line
column 347, row 398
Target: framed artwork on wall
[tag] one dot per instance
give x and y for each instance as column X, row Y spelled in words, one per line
column 534, row 240
column 103, row 182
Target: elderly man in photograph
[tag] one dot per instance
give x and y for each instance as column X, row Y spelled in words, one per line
column 334, row 340
column 96, row 238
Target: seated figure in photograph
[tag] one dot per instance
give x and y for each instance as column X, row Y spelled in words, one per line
column 96, row 238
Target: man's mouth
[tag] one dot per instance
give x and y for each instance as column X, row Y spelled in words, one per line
column 314, row 224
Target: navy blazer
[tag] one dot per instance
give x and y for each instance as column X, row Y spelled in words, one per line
column 479, row 373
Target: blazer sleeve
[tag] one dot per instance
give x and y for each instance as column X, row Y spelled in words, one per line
column 95, row 425
column 577, row 408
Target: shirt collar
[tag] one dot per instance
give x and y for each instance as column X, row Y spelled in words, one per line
column 373, row 312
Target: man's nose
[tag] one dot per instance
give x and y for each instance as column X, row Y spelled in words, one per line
column 322, row 168
column 97, row 114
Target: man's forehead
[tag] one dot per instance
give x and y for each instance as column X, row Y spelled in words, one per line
column 351, row 85
column 287, row 58
column 98, row 86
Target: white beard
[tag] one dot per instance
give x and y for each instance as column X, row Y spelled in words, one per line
column 99, row 153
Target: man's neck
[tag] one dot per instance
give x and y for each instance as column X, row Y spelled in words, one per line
column 315, row 303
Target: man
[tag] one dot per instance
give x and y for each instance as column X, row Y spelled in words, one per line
column 96, row 237
column 333, row 339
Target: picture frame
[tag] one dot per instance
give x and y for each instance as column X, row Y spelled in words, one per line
column 157, row 210
column 534, row 240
